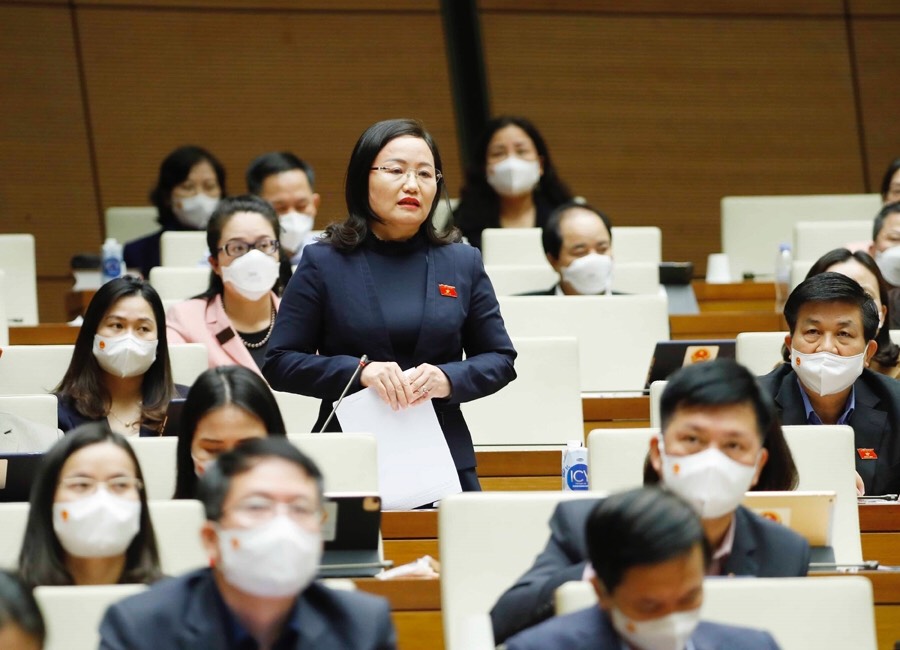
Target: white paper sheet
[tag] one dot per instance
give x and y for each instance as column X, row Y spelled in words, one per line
column 414, row 463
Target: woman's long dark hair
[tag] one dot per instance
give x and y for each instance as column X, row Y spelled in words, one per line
column 215, row 388
column 83, row 382
column 173, row 171
column 479, row 203
column 348, row 235
column 42, row 559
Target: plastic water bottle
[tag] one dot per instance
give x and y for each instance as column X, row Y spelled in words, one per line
column 783, row 263
column 113, row 264
column 574, row 466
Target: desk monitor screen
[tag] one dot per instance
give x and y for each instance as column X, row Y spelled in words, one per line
column 16, row 474
column 172, row 422
column 352, row 535
column 669, row 356
column 809, row 514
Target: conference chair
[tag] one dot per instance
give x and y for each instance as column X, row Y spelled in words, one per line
column 541, row 407
column 754, row 226
column 349, row 461
column 628, row 278
column 799, row 269
column 812, row 239
column 125, row 224
column 487, row 540
column 156, row 456
column 177, row 527
column 4, row 321
column 179, row 282
column 13, row 518
column 656, row 391
column 37, row 408
column 19, row 296
column 72, row 615
column 523, row 245
column 616, row 458
column 616, row 334
column 184, row 248
column 759, row 352
column 299, row 412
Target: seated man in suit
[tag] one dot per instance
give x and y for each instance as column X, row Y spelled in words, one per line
column 715, row 419
column 833, row 322
column 648, row 555
column 263, row 504
column 578, row 244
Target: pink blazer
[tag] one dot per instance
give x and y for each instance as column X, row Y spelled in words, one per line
column 196, row 321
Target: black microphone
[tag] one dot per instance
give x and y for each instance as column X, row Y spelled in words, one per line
column 363, row 360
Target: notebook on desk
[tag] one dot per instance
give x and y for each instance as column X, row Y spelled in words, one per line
column 809, row 514
column 669, row 356
column 352, row 535
column 16, row 474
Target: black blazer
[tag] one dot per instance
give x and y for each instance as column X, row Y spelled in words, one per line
column 875, row 421
column 761, row 548
column 185, row 613
column 330, row 306
column 68, row 416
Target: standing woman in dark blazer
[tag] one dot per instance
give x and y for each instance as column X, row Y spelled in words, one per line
column 386, row 284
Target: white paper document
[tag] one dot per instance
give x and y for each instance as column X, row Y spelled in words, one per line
column 414, row 463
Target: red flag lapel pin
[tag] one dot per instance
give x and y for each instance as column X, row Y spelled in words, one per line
column 447, row 290
column 867, row 454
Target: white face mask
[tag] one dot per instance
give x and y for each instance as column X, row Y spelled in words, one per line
column 514, row 176
column 295, row 228
column 825, row 373
column 274, row 560
column 711, row 482
column 590, row 274
column 195, row 211
column 252, row 274
column 98, row 525
column 889, row 263
column 666, row 633
column 125, row 355
column 201, row 466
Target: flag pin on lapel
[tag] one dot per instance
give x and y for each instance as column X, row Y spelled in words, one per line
column 447, row 290
column 867, row 454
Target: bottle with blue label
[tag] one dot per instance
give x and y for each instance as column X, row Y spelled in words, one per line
column 574, row 466
column 112, row 265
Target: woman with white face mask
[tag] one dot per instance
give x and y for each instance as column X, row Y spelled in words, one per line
column 120, row 370
column 235, row 316
column 191, row 181
column 88, row 523
column 512, row 184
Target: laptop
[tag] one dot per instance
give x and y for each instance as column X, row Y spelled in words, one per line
column 352, row 535
column 669, row 356
column 16, row 474
column 172, row 424
column 809, row 514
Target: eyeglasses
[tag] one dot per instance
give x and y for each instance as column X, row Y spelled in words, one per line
column 86, row 485
column 261, row 509
column 238, row 247
column 397, row 174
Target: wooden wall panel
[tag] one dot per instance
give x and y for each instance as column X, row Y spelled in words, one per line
column 656, row 118
column 46, row 187
column 244, row 83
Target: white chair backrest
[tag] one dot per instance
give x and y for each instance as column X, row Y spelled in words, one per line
column 824, row 456
column 487, row 540
column 832, row 612
column 19, row 295
column 37, row 408
column 13, row 518
column 349, row 461
column 541, row 407
column 4, row 322
column 635, row 323
column 760, row 352
column 895, row 336
column 72, row 615
column 573, row 595
column 179, row 282
column 637, row 278
column 157, row 457
column 177, row 526
column 127, row 223
column 799, row 269
column 521, row 246
column 184, row 248
column 299, row 412
column 812, row 239
column 754, row 226
column 656, row 391
column 189, row 361
column 637, row 244
column 616, row 458
column 513, row 279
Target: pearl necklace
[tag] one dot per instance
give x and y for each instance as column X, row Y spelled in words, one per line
column 255, row 346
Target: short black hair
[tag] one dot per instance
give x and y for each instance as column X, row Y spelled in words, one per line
column 18, row 607
column 551, row 233
column 832, row 287
column 892, row 169
column 881, row 217
column 216, row 481
column 640, row 527
column 275, row 162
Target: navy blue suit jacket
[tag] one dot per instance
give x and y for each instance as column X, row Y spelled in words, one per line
column 330, row 306
column 186, row 613
column 68, row 417
column 591, row 629
column 761, row 548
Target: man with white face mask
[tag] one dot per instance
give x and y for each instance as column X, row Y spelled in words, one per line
column 263, row 504
column 577, row 241
column 286, row 182
column 648, row 556
column 833, row 323
column 715, row 421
